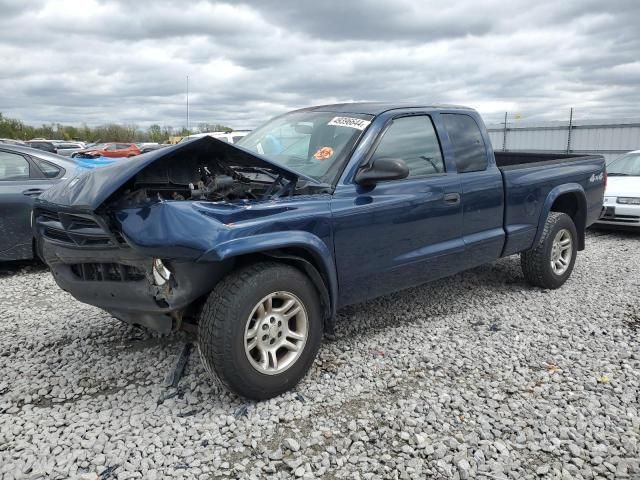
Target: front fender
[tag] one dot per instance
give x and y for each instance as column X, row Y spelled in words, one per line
column 276, row 241
column 552, row 196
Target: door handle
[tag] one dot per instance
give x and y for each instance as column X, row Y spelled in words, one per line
column 32, row 192
column 452, row 198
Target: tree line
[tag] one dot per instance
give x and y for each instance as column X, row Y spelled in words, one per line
column 112, row 132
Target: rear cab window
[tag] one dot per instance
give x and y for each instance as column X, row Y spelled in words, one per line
column 414, row 140
column 468, row 145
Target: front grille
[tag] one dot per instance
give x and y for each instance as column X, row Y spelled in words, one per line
column 59, row 235
column 47, row 215
column 107, row 272
column 73, row 229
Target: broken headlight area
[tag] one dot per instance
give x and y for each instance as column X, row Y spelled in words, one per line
column 161, row 274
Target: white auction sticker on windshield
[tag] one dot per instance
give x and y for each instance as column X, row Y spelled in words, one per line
column 350, row 122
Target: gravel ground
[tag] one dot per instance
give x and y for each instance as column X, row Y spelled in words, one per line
column 475, row 376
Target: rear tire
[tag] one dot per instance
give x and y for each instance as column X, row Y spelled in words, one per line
column 260, row 330
column 551, row 262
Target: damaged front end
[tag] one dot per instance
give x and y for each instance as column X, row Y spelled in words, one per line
column 130, row 286
column 138, row 238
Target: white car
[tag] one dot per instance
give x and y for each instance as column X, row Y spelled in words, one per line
column 66, row 149
column 622, row 195
column 231, row 137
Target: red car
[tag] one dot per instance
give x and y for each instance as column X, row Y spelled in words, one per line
column 113, row 150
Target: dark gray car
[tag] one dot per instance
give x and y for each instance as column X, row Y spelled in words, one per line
column 24, row 174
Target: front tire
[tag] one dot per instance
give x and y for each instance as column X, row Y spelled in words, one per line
column 551, row 262
column 260, row 329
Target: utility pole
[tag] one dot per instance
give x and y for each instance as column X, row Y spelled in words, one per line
column 188, row 105
column 504, row 135
column 569, row 133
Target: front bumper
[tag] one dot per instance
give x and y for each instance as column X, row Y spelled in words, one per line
column 106, row 272
column 622, row 215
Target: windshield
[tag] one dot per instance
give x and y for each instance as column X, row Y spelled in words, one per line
column 626, row 165
column 312, row 143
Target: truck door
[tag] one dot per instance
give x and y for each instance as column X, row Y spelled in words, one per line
column 399, row 233
column 482, row 190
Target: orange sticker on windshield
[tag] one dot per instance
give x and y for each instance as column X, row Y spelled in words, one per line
column 323, row 153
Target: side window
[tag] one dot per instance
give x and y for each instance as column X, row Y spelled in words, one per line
column 13, row 167
column 468, row 145
column 414, row 140
column 111, row 147
column 49, row 169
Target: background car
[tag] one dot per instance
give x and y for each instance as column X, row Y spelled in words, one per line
column 11, row 141
column 24, row 174
column 231, row 137
column 622, row 195
column 46, row 145
column 66, row 149
column 150, row 147
column 111, row 150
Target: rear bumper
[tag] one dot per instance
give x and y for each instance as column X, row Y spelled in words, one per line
column 99, row 269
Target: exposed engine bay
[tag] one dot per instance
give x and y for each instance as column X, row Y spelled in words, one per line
column 208, row 175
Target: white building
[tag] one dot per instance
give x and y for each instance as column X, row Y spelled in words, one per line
column 610, row 138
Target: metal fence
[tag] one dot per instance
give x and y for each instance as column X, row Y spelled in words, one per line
column 610, row 138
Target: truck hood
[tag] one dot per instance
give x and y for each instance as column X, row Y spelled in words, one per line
column 87, row 190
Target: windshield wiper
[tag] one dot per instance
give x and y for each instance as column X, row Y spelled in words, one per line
column 319, row 185
column 617, row 174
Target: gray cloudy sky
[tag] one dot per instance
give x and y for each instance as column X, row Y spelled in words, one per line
column 99, row 61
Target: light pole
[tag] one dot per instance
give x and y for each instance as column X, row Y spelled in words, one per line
column 504, row 134
column 188, row 105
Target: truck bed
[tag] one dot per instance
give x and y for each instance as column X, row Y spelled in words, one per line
column 530, row 177
column 515, row 160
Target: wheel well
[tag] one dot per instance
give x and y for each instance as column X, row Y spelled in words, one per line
column 573, row 205
column 304, row 260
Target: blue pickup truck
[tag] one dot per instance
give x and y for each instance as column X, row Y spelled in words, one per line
column 260, row 243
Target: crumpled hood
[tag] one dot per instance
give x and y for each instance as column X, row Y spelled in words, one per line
column 89, row 189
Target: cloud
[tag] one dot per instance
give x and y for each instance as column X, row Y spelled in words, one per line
column 99, row 61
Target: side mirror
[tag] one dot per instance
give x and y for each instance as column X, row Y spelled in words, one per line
column 383, row 168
